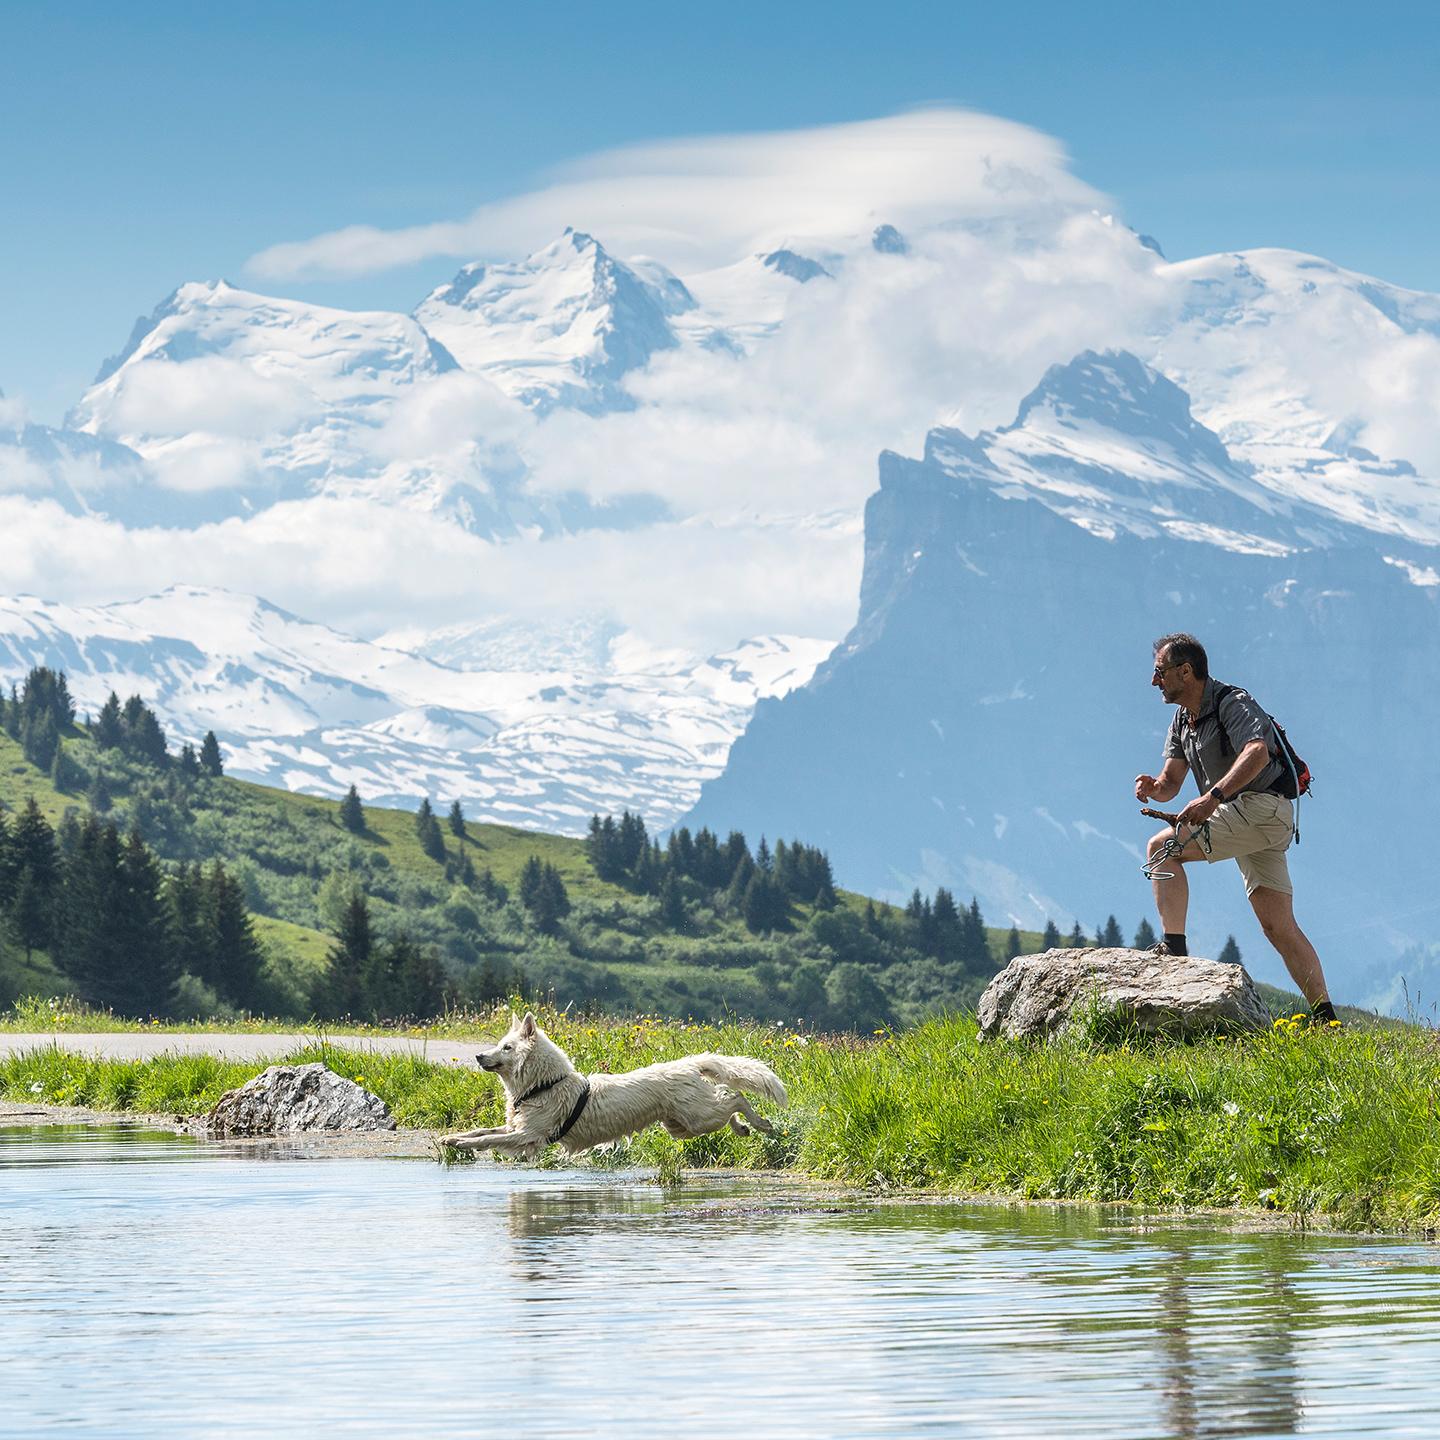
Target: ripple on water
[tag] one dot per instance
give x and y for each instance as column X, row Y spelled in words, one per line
column 151, row 1282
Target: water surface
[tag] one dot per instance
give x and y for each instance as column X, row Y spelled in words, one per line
column 150, row 1283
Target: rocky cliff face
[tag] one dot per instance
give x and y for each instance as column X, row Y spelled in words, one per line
column 981, row 725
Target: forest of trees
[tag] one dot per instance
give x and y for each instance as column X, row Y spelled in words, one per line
column 182, row 858
column 760, row 888
column 118, row 926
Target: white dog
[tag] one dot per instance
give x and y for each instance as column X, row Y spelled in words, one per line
column 548, row 1101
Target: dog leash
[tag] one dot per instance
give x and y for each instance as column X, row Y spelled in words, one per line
column 1174, row 845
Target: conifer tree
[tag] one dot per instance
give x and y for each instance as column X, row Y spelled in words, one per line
column 189, row 763
column 108, row 732
column 84, row 946
column 188, row 937
column 30, row 912
column 1013, row 945
column 672, row 904
column 764, row 907
column 824, row 897
column 352, row 812
column 1077, row 940
column 456, row 820
column 1112, row 935
column 149, row 971
column 427, row 828
column 1051, row 939
column 210, row 761
column 764, row 860
column 1144, row 935
column 237, row 952
column 549, row 902
column 632, row 840
column 1230, row 953
column 342, row 992
column 417, row 981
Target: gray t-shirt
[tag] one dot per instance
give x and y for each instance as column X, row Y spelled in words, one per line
column 1199, row 746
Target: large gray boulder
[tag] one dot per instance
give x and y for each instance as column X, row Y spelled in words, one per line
column 1040, row 995
column 290, row 1099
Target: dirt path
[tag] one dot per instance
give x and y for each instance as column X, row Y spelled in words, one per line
column 146, row 1045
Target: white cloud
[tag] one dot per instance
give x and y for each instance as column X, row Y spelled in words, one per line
column 958, row 332
column 366, row 567
column 700, row 202
column 211, row 394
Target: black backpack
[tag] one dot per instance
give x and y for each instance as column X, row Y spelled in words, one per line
column 1295, row 778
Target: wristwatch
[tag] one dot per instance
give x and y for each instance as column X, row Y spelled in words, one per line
column 1218, row 793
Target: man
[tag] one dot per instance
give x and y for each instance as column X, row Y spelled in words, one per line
column 1249, row 821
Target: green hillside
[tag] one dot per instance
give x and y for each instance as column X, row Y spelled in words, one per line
column 686, row 950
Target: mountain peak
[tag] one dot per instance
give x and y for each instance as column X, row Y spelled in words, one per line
column 561, row 326
column 1113, row 390
column 794, row 266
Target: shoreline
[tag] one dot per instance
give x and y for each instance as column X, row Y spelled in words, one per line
column 405, row 1143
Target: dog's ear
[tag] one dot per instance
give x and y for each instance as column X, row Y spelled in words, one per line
column 528, row 1027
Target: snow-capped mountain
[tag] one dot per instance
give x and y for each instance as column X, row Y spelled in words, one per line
column 980, row 725
column 300, row 705
column 563, row 327
column 249, row 399
column 1304, row 369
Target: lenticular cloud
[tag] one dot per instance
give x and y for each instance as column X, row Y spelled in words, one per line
column 700, row 202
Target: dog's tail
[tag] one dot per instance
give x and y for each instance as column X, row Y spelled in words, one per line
column 742, row 1073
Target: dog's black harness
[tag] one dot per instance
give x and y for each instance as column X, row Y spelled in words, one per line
column 576, row 1111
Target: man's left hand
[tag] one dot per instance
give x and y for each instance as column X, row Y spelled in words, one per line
column 1198, row 811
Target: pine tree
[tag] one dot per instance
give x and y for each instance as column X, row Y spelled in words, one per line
column 824, row 896
column 60, row 769
column 1051, row 939
column 237, row 952
column 427, row 828
column 632, row 840
column 1230, row 954
column 342, row 993
column 150, row 970
column 1077, row 940
column 30, row 912
column 108, row 732
column 551, row 902
column 672, row 904
column 210, row 761
column 190, row 940
column 189, row 763
column 764, row 907
column 416, row 979
column 456, row 820
column 764, row 861
column 352, row 812
column 1144, row 935
column 1013, row 945
column 1112, row 935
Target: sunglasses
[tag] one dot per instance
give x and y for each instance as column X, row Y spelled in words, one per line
column 1161, row 670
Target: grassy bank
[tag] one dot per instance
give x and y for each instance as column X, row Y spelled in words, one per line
column 1340, row 1126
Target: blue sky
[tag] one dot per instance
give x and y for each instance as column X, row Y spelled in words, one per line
column 156, row 143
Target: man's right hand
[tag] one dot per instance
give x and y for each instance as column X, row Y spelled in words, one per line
column 1145, row 787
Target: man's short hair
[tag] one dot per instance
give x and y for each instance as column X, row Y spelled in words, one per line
column 1185, row 648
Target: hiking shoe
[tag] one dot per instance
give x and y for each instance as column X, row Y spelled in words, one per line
column 1160, row 950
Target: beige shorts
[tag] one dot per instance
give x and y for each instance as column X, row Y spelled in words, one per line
column 1255, row 830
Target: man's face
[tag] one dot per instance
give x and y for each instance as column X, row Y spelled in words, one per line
column 1169, row 679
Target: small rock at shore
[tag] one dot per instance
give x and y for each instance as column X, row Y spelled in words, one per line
column 290, row 1099
column 1181, row 996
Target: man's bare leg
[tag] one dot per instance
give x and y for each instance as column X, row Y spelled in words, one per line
column 1274, row 910
column 1172, row 897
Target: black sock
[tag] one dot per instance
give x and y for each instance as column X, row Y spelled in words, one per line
column 1175, row 944
column 1324, row 1012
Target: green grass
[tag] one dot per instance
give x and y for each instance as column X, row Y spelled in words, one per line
column 1340, row 1126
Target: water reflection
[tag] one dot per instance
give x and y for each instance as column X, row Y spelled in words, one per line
column 601, row 1304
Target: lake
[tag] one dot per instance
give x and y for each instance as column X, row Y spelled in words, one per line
column 151, row 1283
